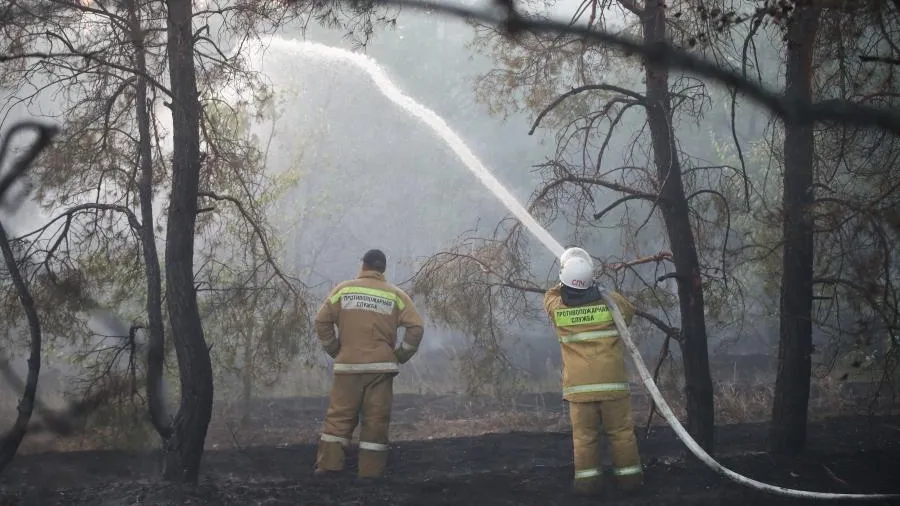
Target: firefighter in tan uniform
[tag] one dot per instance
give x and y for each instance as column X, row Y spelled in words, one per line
column 595, row 382
column 367, row 312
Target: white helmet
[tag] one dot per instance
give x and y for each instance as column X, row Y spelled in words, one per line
column 575, row 253
column 577, row 273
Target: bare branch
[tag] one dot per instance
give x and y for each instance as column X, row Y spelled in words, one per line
column 592, row 181
column 619, row 202
column 68, row 213
column 88, row 56
column 659, row 257
column 671, row 332
column 258, row 231
column 575, row 91
column 45, row 135
column 881, row 59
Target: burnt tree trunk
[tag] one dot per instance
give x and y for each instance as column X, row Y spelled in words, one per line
column 184, row 448
column 675, row 210
column 157, row 339
column 9, row 444
column 789, row 409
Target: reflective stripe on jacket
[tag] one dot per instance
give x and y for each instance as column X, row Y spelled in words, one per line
column 593, row 358
column 367, row 312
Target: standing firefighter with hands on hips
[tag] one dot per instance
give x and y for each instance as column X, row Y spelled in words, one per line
column 367, row 312
column 595, row 382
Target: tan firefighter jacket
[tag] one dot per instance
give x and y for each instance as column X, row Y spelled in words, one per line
column 367, row 311
column 593, row 358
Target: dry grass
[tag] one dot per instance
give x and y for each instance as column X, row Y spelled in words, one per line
column 743, row 403
column 737, row 401
column 439, row 425
column 751, row 401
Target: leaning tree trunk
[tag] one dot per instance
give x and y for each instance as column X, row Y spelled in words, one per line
column 789, row 409
column 674, row 206
column 9, row 444
column 184, row 448
column 157, row 339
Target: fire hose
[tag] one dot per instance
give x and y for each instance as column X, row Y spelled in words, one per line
column 695, row 448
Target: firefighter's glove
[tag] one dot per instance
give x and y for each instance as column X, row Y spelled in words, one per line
column 404, row 354
column 332, row 348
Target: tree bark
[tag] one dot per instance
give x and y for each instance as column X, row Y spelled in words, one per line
column 789, row 409
column 675, row 210
column 156, row 342
column 11, row 440
column 184, row 449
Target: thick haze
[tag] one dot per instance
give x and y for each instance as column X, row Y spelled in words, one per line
column 375, row 177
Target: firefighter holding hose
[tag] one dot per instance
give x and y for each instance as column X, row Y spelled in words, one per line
column 367, row 312
column 595, row 382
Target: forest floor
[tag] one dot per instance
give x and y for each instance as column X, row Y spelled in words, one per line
column 268, row 460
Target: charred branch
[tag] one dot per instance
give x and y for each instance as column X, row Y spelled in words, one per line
column 20, row 166
column 890, row 60
column 618, row 202
column 668, row 330
column 581, row 89
column 593, row 181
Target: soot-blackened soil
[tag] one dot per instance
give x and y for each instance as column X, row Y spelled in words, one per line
column 849, row 455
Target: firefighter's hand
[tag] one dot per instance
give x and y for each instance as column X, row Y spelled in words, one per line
column 403, row 354
column 333, row 349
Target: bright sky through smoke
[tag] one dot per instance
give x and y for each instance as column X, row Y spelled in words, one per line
column 430, row 118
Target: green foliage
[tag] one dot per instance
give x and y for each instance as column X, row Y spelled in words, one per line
column 257, row 315
column 474, row 288
column 757, row 224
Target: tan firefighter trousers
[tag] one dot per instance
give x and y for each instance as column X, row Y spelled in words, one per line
column 372, row 394
column 615, row 418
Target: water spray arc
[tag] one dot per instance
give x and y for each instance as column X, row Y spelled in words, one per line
column 440, row 128
column 435, row 122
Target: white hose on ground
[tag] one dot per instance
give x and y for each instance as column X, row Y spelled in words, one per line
column 692, row 445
